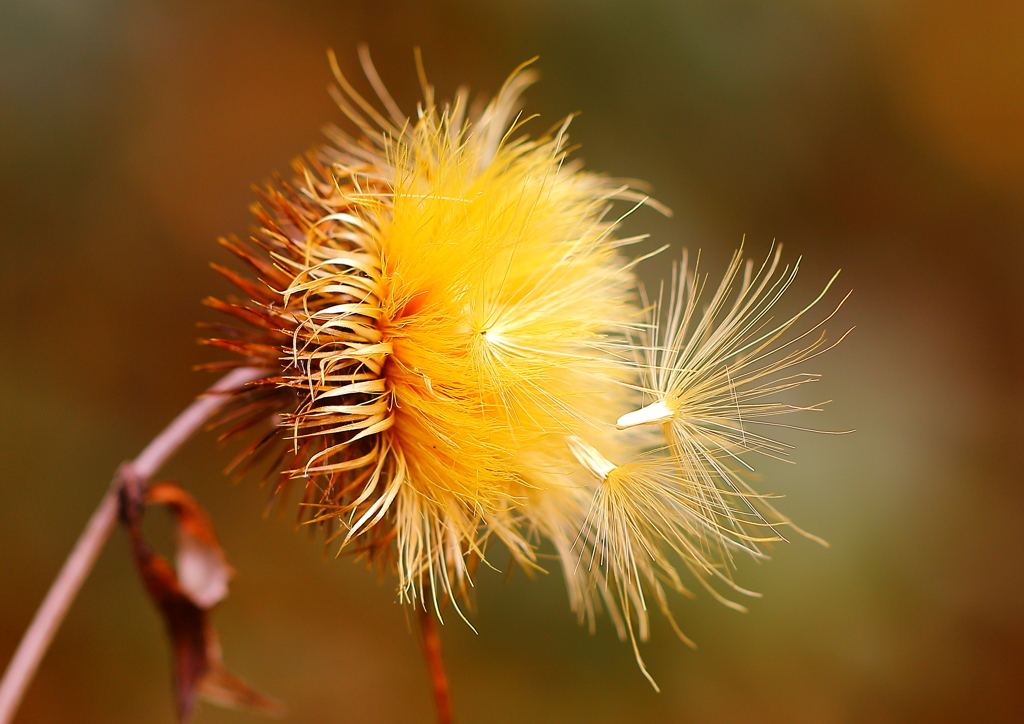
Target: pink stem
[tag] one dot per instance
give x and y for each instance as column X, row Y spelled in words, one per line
column 83, row 556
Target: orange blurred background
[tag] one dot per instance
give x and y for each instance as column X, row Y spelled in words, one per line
column 882, row 138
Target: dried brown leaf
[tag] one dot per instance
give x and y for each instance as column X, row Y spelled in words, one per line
column 185, row 597
column 203, row 569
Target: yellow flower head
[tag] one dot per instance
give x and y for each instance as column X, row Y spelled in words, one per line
column 452, row 334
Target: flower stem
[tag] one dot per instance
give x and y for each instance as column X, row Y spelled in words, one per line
column 431, row 641
column 83, row 556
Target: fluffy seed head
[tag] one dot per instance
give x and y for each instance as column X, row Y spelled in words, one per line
column 451, row 333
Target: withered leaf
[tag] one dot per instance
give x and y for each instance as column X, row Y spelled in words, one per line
column 202, row 568
column 185, row 597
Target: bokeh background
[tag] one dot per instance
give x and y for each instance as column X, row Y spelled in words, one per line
column 882, row 138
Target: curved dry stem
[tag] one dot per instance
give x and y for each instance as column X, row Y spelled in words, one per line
column 83, row 556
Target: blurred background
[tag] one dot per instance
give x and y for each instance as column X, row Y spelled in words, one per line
column 882, row 138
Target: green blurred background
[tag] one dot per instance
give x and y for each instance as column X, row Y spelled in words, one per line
column 882, row 138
